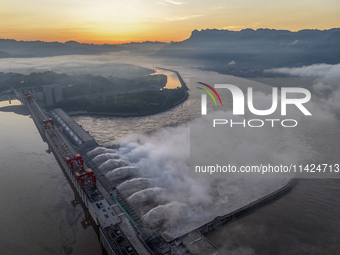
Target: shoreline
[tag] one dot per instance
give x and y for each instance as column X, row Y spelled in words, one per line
column 236, row 213
column 127, row 115
column 184, row 85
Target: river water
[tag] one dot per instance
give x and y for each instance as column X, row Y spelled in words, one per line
column 172, row 79
column 38, row 216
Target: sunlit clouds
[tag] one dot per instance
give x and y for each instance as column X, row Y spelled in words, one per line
column 113, row 21
column 183, row 17
column 172, row 2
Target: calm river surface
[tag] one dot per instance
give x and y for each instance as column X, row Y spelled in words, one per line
column 37, row 216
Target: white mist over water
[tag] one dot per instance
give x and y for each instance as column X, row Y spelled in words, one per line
column 100, row 151
column 101, row 158
column 122, row 173
column 130, row 187
column 160, row 163
column 157, row 183
column 110, row 164
column 198, row 194
column 307, row 218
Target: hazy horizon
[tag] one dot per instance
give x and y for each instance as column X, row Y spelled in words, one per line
column 161, row 20
column 155, row 41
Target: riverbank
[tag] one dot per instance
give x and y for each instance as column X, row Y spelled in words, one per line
column 249, row 208
column 146, row 113
column 184, row 85
column 126, row 115
column 234, row 214
column 7, row 96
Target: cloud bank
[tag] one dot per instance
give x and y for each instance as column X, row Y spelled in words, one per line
column 313, row 71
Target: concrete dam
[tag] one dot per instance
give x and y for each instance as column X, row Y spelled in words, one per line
column 121, row 230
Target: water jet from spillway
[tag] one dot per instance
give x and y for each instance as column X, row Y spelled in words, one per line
column 130, row 187
column 111, row 164
column 99, row 150
column 121, row 173
column 165, row 216
column 101, row 158
column 146, row 199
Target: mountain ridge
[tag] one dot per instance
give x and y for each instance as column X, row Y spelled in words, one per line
column 39, row 48
column 236, row 52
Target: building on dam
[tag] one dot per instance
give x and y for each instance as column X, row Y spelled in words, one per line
column 76, row 134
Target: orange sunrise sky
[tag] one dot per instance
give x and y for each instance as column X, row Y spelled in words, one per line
column 112, row 21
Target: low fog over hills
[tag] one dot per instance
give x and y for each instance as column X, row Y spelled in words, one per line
column 254, row 50
column 13, row 48
column 245, row 53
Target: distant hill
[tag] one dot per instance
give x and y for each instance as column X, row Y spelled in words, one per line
column 250, row 50
column 242, row 53
column 13, row 48
column 4, row 54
